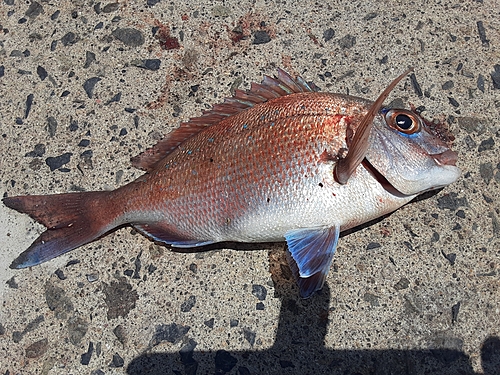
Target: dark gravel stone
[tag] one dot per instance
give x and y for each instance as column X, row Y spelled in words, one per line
column 487, row 144
column 18, row 336
column 58, row 161
column 85, row 358
column 117, row 361
column 120, row 298
column 447, row 85
column 347, row 41
column 482, row 34
column 89, row 86
column 8, row 2
column 453, row 102
column 51, row 125
column 97, row 372
column 451, row 202
column 37, row 152
column 137, row 264
column 209, row 323
column 112, row 7
column 72, row 262
column 373, row 245
column 224, row 361
column 2, row 71
column 261, row 37
column 150, row 3
column 480, row 83
column 11, row 283
column 42, row 73
column 370, row 16
column 120, row 334
column 451, row 257
column 233, row 323
column 415, row 84
column 128, row 36
column 2, row 330
column 486, row 171
column 89, row 59
column 55, row 15
column 60, row 274
column 84, row 143
column 77, row 328
column 328, row 34
column 249, row 336
column 34, row 10
column 372, row 299
column 37, row 349
column 29, row 102
column 471, row 124
column 152, row 64
column 69, row 39
column 259, row 306
column 173, row 333
column 259, row 291
column 188, row 304
column 460, row 214
column 114, row 99
column 403, row 283
column 454, row 312
column 243, row 371
column 53, row 45
column 495, row 77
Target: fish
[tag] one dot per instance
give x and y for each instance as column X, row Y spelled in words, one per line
column 280, row 161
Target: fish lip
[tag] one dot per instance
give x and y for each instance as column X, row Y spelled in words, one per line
column 447, row 157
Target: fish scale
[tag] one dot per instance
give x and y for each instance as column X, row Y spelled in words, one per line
column 277, row 162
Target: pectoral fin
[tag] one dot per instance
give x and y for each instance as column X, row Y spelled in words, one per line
column 311, row 252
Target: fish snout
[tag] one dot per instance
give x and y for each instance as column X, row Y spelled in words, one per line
column 446, row 158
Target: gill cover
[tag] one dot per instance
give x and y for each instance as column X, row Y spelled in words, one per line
column 404, row 150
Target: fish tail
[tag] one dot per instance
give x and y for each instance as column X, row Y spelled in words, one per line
column 72, row 220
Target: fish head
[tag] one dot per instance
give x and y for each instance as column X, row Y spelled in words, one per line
column 413, row 155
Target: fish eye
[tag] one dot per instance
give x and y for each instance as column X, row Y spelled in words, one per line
column 404, row 121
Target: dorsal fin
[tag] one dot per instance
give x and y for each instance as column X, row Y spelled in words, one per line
column 268, row 89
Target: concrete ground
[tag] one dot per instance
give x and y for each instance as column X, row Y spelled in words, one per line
column 85, row 85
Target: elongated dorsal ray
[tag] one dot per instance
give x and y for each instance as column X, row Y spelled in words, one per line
column 357, row 150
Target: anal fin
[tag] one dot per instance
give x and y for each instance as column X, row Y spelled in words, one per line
column 310, row 254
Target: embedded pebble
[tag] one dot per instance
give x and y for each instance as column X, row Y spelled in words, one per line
column 347, row 41
column 403, row 283
column 120, row 298
column 249, row 335
column 85, row 357
column 37, row 349
column 69, row 39
column 42, row 73
column 117, row 361
column 261, row 37
column 416, row 85
column 454, row 312
column 451, row 201
column 259, row 291
column 58, row 161
column 173, row 333
column 34, row 10
column 89, row 59
column 482, row 34
column 487, row 144
column 89, row 86
column 187, row 305
column 77, row 329
column 328, row 34
column 129, row 36
column 495, row 77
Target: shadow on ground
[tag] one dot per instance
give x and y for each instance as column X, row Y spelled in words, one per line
column 299, row 349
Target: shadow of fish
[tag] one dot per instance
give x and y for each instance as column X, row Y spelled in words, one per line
column 277, row 162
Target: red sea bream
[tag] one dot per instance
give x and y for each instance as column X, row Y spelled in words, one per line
column 279, row 162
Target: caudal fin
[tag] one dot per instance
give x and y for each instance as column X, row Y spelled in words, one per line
column 72, row 220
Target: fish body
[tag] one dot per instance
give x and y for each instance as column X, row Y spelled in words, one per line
column 259, row 167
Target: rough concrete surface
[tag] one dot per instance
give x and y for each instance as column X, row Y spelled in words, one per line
column 85, row 85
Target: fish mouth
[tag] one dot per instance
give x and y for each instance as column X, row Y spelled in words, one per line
column 446, row 158
column 382, row 180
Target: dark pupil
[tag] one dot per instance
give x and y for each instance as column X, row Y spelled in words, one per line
column 404, row 122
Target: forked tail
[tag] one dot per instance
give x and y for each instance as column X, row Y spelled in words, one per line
column 72, row 220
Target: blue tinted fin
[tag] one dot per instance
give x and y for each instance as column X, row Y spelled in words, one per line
column 311, row 252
